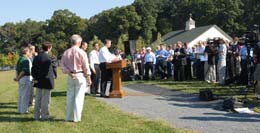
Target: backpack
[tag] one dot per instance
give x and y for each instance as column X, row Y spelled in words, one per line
column 230, row 104
column 206, row 95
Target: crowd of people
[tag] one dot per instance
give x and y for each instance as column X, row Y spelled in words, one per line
column 211, row 61
column 35, row 70
column 39, row 70
column 215, row 60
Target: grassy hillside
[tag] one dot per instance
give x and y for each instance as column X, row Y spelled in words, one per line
column 97, row 116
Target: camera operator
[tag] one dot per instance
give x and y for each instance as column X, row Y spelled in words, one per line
column 243, row 55
column 257, row 70
column 211, row 51
column 234, row 66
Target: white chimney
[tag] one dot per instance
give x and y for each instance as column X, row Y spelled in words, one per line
column 190, row 24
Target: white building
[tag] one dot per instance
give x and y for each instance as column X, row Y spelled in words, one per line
column 193, row 34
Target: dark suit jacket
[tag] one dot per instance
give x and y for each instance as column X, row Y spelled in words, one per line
column 43, row 72
column 180, row 60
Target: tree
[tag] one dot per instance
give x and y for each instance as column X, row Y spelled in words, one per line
column 148, row 10
column 228, row 14
column 139, row 43
column 61, row 26
column 251, row 14
column 95, row 39
column 15, row 58
column 120, row 42
column 8, row 37
column 158, row 41
column 3, row 61
column 67, row 22
column 141, row 21
column 29, row 32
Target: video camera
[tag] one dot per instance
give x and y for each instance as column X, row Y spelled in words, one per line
column 215, row 42
column 249, row 38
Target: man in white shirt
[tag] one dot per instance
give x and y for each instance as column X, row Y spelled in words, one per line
column 106, row 74
column 94, row 66
column 149, row 62
column 200, row 63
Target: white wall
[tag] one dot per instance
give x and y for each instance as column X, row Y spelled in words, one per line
column 210, row 33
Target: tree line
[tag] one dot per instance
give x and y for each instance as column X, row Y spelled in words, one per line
column 144, row 21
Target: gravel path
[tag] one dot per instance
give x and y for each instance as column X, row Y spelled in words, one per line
column 184, row 111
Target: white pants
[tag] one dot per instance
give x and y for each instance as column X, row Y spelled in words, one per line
column 24, row 94
column 222, row 71
column 75, row 97
column 42, row 100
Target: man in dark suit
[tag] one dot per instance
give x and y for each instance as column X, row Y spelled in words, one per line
column 43, row 74
column 179, row 62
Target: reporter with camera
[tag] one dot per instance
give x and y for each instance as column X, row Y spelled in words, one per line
column 244, row 72
column 257, row 70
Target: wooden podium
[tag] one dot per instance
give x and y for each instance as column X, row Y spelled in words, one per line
column 116, row 67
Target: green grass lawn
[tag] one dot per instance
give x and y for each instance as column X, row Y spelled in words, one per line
column 96, row 117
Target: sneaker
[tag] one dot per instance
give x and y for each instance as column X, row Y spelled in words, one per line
column 104, row 96
column 208, row 81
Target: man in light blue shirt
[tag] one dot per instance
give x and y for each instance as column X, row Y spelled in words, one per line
column 243, row 52
column 149, row 62
column 161, row 64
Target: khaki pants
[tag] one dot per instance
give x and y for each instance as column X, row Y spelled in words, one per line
column 31, row 95
column 211, row 73
column 24, row 93
column 75, row 97
column 42, row 100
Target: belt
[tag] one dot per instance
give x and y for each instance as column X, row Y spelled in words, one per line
column 77, row 72
column 243, row 57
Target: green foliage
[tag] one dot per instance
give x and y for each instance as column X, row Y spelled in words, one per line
column 29, row 31
column 158, row 41
column 121, row 40
column 3, row 60
column 95, row 39
column 8, row 33
column 15, row 58
column 143, row 18
column 251, row 13
column 67, row 22
column 61, row 26
column 139, row 43
column 9, row 61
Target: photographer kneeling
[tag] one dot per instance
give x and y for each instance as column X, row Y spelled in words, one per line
column 257, row 70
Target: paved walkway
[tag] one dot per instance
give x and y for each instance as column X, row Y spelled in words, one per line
column 184, row 111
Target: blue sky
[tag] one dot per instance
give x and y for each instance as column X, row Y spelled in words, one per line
column 40, row 10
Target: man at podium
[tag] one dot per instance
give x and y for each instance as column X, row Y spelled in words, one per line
column 106, row 74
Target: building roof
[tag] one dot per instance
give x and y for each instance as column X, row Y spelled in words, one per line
column 188, row 36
